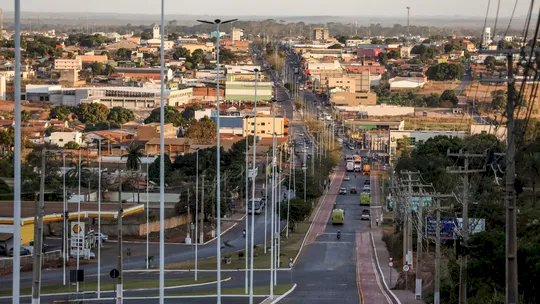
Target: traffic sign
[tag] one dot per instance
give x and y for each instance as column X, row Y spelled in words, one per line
column 406, row 268
column 114, row 273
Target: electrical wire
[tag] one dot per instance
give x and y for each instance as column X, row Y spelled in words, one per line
column 496, row 18
column 511, row 18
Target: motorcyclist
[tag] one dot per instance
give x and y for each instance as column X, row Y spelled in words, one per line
column 338, row 235
column 244, row 232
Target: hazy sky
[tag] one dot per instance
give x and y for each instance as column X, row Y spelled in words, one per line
column 276, row 7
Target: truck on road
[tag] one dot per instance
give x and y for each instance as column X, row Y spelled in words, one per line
column 350, row 166
column 366, row 169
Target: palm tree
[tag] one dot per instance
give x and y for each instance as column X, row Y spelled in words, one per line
column 133, row 162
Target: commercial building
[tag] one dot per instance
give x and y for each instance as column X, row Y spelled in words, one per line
column 173, row 146
column 406, row 83
column 265, row 126
column 244, row 91
column 237, row 34
column 88, row 59
column 143, row 73
column 62, row 138
column 68, row 64
column 3, row 87
column 133, row 98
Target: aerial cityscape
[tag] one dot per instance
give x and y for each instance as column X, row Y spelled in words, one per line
column 270, row 152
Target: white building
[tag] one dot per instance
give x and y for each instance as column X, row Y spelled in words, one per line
column 2, row 87
column 62, row 138
column 314, row 66
column 486, row 37
column 237, row 34
column 404, row 83
column 379, row 110
column 156, row 32
column 416, row 137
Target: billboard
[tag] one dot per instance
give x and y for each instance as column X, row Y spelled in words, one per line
column 450, row 226
column 427, row 201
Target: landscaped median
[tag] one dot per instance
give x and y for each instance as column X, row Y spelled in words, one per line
column 259, row 291
column 109, row 285
column 289, row 249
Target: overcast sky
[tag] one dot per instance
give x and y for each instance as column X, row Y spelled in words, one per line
column 381, row 8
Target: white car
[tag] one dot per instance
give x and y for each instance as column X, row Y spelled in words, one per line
column 366, row 188
column 346, row 178
column 342, row 191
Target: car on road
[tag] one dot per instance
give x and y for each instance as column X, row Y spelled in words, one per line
column 351, row 147
column 258, row 206
column 24, row 251
column 367, row 182
column 3, row 250
column 342, row 191
column 346, row 178
column 366, row 188
column 365, row 215
column 353, row 190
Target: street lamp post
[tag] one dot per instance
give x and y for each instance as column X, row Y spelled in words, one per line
column 273, row 210
column 196, row 211
column 64, row 220
column 162, row 159
column 246, row 281
column 99, row 222
column 217, row 22
column 265, row 198
column 147, row 214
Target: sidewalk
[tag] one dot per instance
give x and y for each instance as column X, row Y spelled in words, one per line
column 389, row 274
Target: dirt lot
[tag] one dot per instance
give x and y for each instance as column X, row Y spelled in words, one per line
column 36, row 111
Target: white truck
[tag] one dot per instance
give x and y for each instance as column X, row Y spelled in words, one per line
column 350, row 166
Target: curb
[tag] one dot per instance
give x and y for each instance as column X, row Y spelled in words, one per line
column 396, row 299
column 281, row 297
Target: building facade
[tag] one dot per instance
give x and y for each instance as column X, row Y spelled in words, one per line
column 62, row 138
column 245, row 91
column 265, row 126
column 67, row 64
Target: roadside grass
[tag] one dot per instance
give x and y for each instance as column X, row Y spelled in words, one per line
column 289, row 249
column 110, row 285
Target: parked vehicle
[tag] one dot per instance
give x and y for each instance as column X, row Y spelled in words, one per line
column 24, row 251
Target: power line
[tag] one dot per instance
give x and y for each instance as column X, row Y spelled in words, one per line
column 496, row 18
column 511, row 18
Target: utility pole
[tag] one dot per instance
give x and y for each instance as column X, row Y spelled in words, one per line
column 510, row 197
column 408, row 22
column 38, row 235
column 465, row 170
column 202, row 211
column 119, row 258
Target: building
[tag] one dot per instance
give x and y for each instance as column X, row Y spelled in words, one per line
column 156, row 32
column 231, row 124
column 143, row 73
column 369, row 51
column 265, row 126
column 68, row 64
column 407, row 83
column 133, row 98
column 405, row 51
column 409, row 139
column 173, row 146
column 3, row 87
column 89, row 59
column 321, row 34
column 62, row 138
column 352, row 99
column 245, row 91
column 192, row 46
column 152, row 130
column 70, row 78
column 486, row 37
column 357, row 42
column 237, row 34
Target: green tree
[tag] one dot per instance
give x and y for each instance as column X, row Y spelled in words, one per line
column 60, row 112
column 71, row 145
column 25, row 116
column 393, row 54
column 227, row 56
column 449, row 96
column 153, row 169
column 445, row 71
column 342, row 39
column 335, row 46
column 180, row 52
column 120, row 115
column 197, row 56
column 91, row 112
column 7, row 137
column 204, row 131
column 133, row 163
column 171, row 116
column 123, row 54
column 489, row 62
column 498, row 100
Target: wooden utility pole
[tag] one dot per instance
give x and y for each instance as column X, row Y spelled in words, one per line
column 465, row 170
column 38, row 235
column 510, row 197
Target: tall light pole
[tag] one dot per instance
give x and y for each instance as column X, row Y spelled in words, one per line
column 99, row 222
column 273, row 210
column 162, row 159
column 253, row 174
column 17, row 160
column 64, row 219
column 79, row 242
column 217, row 22
column 246, row 275
column 196, row 211
column 265, row 198
column 147, row 214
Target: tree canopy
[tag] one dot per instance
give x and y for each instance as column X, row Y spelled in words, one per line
column 204, row 131
column 445, row 71
column 91, row 112
column 120, row 115
column 171, row 116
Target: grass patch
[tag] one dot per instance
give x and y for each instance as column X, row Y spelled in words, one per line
column 289, row 249
column 109, row 285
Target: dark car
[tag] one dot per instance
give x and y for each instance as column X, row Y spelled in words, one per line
column 353, row 190
column 24, row 251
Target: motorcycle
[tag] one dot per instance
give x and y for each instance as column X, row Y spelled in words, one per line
column 338, row 235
